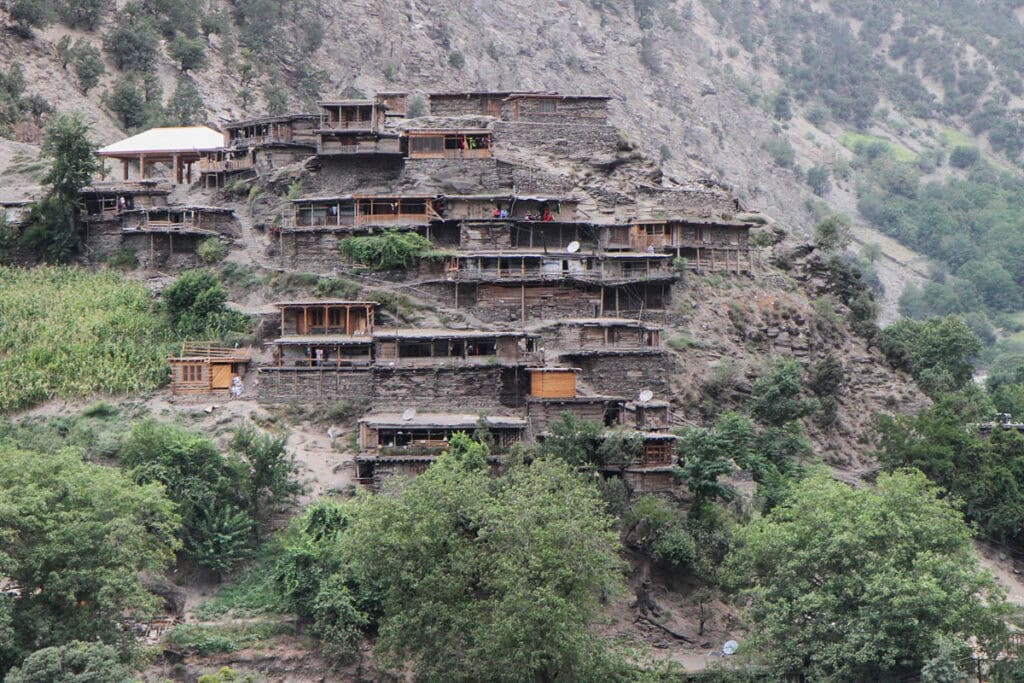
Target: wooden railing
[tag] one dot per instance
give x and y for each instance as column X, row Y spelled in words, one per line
column 206, row 349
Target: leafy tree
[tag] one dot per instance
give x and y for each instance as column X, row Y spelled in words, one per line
column 467, row 577
column 387, row 251
column 214, row 23
column 706, row 459
column 994, row 283
column 964, row 157
column 860, row 584
column 83, row 534
column 30, row 14
column 775, row 400
column 271, row 469
column 938, row 352
column 75, row 662
column 833, row 234
column 88, row 64
column 63, row 49
column 782, row 107
column 83, row 14
column 127, row 103
column 52, row 231
column 276, row 99
column 196, row 306
column 186, row 106
column 132, row 43
column 190, row 53
column 658, row 528
column 818, row 179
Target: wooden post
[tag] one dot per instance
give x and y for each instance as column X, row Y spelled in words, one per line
column 282, row 322
column 305, row 318
column 522, row 299
column 601, row 304
column 348, row 320
column 456, row 294
column 142, row 166
column 124, row 168
column 617, row 302
column 176, row 168
column 170, row 246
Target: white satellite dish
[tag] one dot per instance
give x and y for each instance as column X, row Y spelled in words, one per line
column 409, row 414
column 573, row 247
column 646, row 395
column 730, row 647
column 650, row 248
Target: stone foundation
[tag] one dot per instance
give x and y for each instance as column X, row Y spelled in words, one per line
column 625, row 371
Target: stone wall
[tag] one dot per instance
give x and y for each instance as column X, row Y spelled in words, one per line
column 348, row 175
column 388, row 388
column 496, row 303
column 583, row 111
column 454, row 176
column 625, row 372
column 527, row 180
column 163, row 250
column 101, row 238
column 565, row 140
column 309, row 251
column 693, row 202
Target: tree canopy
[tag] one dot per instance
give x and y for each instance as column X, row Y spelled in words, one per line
column 75, row 537
column 466, row 576
column 851, row 584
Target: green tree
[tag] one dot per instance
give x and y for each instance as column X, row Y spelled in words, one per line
column 818, row 179
column 195, row 304
column 53, row 222
column 88, row 64
column 775, row 399
column 127, row 103
column 387, row 251
column 75, row 537
column 74, row 662
column 833, row 234
column 186, row 106
column 468, row 577
column 859, row 584
column 189, row 53
column 30, row 14
column 276, row 99
column 938, row 352
column 271, row 469
column 132, row 43
column 83, row 14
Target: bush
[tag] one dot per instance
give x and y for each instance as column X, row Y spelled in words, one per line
column 190, row 53
column 964, row 157
column 211, row 251
column 127, row 102
column 195, row 306
column 818, row 179
column 123, row 259
column 186, row 106
column 74, row 662
column 781, row 152
column 84, row 14
column 456, row 60
column 388, row 251
column 88, row 65
column 132, row 43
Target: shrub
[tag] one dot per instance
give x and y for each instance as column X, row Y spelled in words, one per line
column 88, row 65
column 212, row 250
column 190, row 53
column 964, row 157
column 132, row 43
column 818, row 179
column 781, row 152
column 456, row 60
column 417, row 107
column 195, row 307
column 123, row 259
column 186, row 106
column 388, row 251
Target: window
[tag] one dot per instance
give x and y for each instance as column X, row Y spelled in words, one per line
column 548, row 106
column 191, row 373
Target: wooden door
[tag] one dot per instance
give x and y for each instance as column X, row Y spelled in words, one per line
column 221, row 376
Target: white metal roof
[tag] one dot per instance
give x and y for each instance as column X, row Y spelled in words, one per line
column 181, row 139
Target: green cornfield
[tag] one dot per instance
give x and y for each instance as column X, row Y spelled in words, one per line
column 69, row 333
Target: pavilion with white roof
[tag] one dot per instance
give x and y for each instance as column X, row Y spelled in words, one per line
column 180, row 147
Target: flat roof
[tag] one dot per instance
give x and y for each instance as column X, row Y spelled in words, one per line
column 428, row 333
column 348, row 103
column 653, row 403
column 446, row 420
column 509, row 197
column 270, row 119
column 340, row 339
column 690, row 220
column 554, row 96
column 347, row 197
column 533, row 253
column 449, row 131
column 553, row 369
column 176, row 209
column 167, row 140
column 324, row 302
column 604, row 322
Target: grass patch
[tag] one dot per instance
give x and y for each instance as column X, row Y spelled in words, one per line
column 208, row 640
column 249, row 593
column 954, row 138
column 70, row 333
column 682, row 342
column 900, row 153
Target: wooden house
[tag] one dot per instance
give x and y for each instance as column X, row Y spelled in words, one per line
column 602, row 333
column 467, row 103
column 351, row 210
column 289, row 129
column 652, row 472
column 107, row 200
column 325, row 333
column 553, row 382
column 347, row 143
column 449, row 143
column 539, row 267
column 203, row 368
column 441, row 347
column 706, row 244
column 365, row 115
column 198, row 220
column 510, row 207
column 555, row 108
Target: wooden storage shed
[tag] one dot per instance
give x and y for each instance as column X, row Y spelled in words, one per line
column 205, row 368
column 553, row 382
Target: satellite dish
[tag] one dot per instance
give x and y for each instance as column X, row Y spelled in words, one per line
column 730, row 647
column 409, row 414
column 646, row 395
column 573, row 247
column 650, row 248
